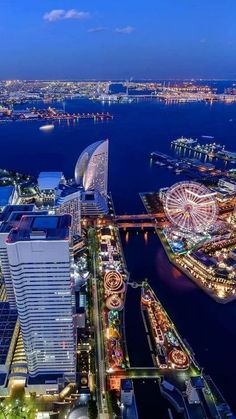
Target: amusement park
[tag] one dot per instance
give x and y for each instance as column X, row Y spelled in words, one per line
column 199, row 232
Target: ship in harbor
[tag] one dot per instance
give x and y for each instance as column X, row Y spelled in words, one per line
column 185, row 141
column 47, row 127
column 209, row 137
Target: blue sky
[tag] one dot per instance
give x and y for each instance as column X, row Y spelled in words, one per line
column 110, row 39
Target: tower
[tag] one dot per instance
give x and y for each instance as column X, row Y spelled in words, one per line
column 40, row 264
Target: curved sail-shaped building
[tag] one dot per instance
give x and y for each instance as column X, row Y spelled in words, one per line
column 91, row 170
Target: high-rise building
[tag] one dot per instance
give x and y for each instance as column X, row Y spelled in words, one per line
column 40, row 263
column 10, row 218
column 91, row 171
column 8, row 337
column 69, row 202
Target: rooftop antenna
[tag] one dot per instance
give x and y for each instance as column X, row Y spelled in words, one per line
column 127, row 85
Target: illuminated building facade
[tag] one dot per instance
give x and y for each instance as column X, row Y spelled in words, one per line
column 69, row 202
column 91, row 171
column 93, row 204
column 40, row 263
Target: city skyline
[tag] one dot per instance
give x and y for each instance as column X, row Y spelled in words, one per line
column 65, row 273
column 117, row 209
column 53, row 40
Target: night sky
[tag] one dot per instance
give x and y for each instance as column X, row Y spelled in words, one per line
column 113, row 39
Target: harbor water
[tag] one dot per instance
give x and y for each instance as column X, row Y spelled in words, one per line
column 136, row 130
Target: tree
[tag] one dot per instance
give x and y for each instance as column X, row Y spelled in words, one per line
column 92, row 409
column 113, row 402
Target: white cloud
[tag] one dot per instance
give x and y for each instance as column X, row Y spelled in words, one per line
column 125, row 29
column 74, row 14
column 54, row 15
column 98, row 29
column 60, row 14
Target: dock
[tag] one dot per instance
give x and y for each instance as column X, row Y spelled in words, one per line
column 212, row 150
column 52, row 114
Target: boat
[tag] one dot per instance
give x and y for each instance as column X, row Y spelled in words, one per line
column 47, row 127
column 184, row 141
column 208, row 136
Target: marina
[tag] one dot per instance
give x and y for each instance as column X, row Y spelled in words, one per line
column 212, row 150
column 192, row 167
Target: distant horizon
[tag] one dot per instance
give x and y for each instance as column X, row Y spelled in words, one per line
column 116, row 80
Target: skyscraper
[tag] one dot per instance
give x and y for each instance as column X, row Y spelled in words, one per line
column 40, row 263
column 10, row 218
column 91, row 171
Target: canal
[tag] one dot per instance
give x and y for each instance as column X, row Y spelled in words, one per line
column 208, row 327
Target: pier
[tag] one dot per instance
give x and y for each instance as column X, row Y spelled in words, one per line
column 211, row 150
column 52, row 114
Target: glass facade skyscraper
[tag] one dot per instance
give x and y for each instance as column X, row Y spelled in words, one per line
column 40, row 264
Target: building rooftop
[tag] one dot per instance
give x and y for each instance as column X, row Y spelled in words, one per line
column 45, row 379
column 126, row 385
column 9, row 209
column 197, row 382
column 7, row 326
column 49, row 180
column 41, row 227
column 205, row 259
column 64, row 191
column 15, row 218
column 6, row 193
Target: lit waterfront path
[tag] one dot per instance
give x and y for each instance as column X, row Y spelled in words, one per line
column 100, row 358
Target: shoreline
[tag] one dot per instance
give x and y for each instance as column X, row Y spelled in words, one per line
column 224, row 300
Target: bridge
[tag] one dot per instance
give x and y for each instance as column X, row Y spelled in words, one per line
column 141, row 225
column 125, row 217
column 137, row 372
column 141, row 220
column 177, row 377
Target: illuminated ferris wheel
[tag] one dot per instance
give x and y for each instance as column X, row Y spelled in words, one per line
column 190, row 206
